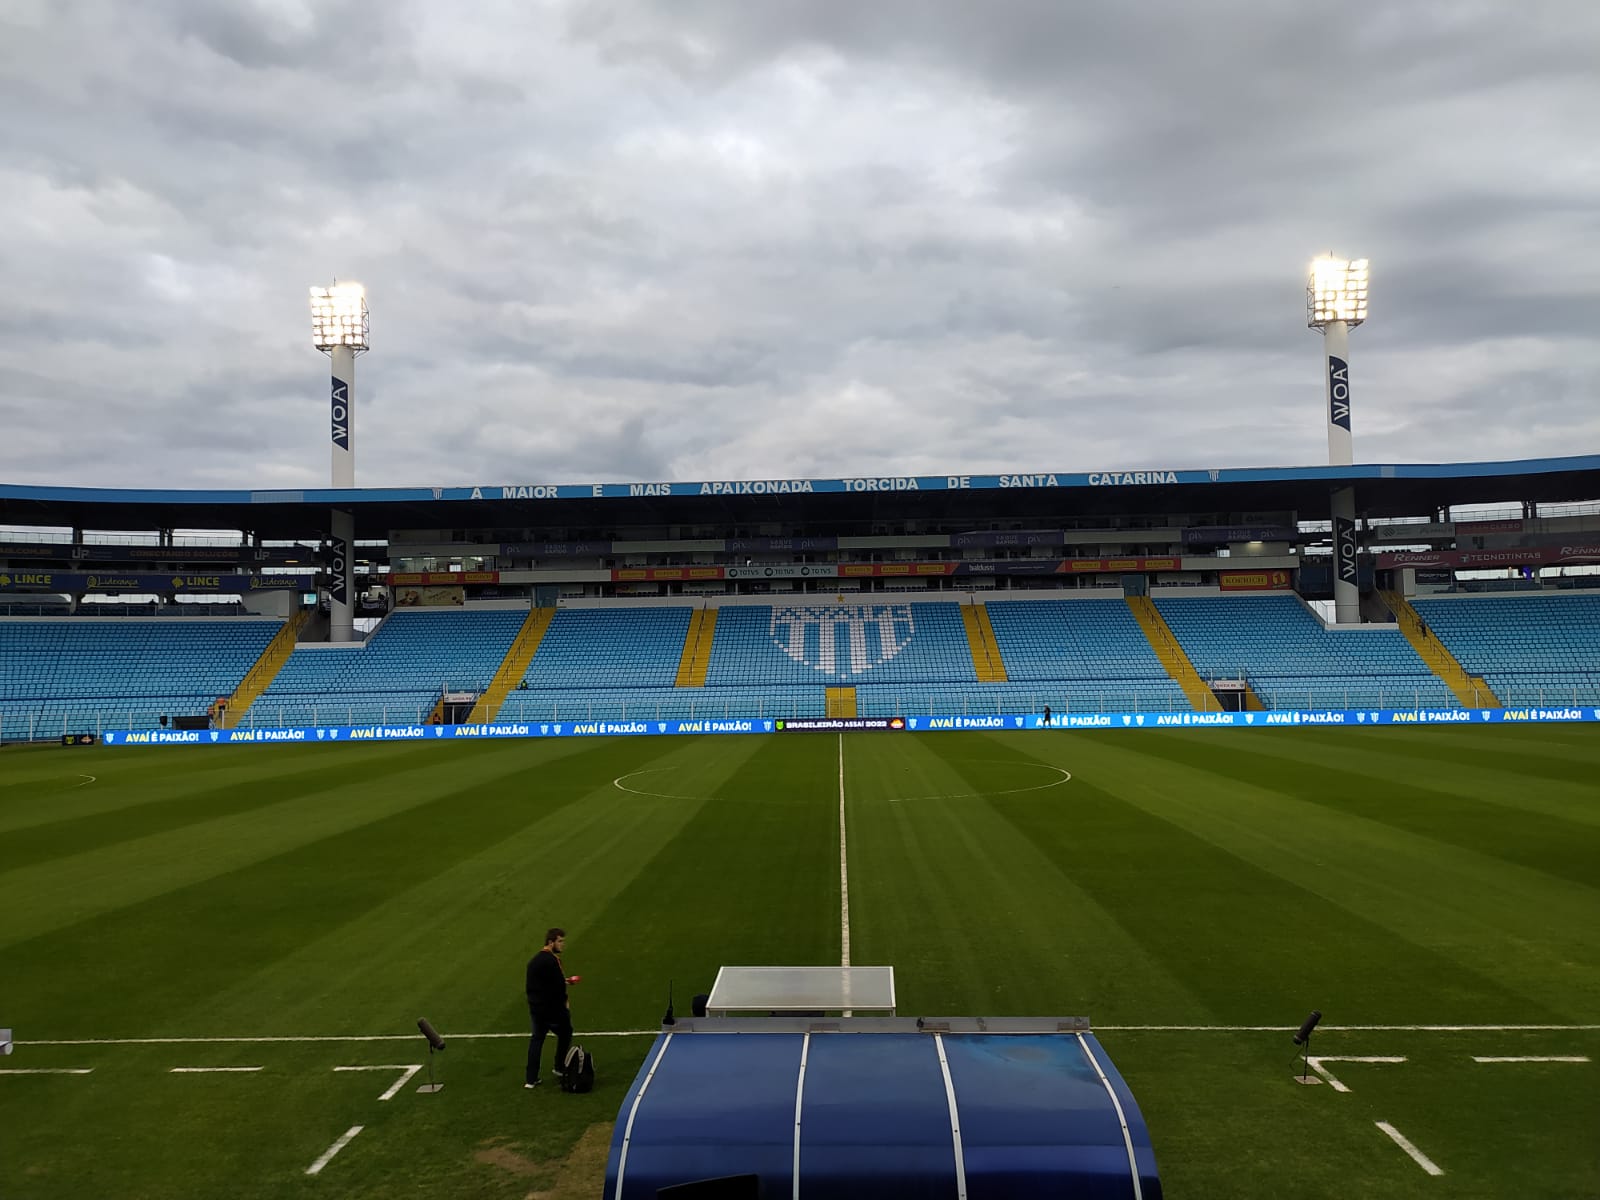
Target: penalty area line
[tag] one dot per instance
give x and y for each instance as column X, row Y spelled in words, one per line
column 1417, row 1156
column 327, row 1155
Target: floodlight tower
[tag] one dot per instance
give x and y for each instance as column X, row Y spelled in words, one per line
column 1336, row 302
column 339, row 329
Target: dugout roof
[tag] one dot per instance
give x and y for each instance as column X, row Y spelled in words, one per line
column 1382, row 490
column 869, row 1107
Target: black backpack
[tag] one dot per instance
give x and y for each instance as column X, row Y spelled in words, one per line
column 577, row 1071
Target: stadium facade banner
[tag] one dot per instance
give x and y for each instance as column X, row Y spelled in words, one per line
column 430, row 597
column 668, row 574
column 1274, row 718
column 1254, row 581
column 1478, row 528
column 783, row 571
column 439, row 578
column 1217, row 535
column 553, row 549
column 1114, row 566
column 765, row 545
column 1346, row 475
column 279, row 556
column 1510, row 556
column 994, row 538
column 120, row 583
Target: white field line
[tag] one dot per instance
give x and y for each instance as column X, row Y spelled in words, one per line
column 46, row 1071
column 844, row 873
column 327, row 1155
column 1521, row 1058
column 1066, row 777
column 1417, row 1156
column 1315, row 1063
column 209, row 1070
column 305, row 1039
column 409, row 1070
column 87, row 779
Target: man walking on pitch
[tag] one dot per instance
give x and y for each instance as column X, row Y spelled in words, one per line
column 548, row 1006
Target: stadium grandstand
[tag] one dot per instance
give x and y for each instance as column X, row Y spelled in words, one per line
column 1150, row 591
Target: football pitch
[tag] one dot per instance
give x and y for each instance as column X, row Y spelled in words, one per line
column 214, row 959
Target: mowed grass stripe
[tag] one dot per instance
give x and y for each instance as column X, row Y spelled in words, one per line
column 1249, row 942
column 972, row 914
column 751, row 879
column 159, row 801
column 1457, row 762
column 1386, row 788
column 46, row 785
column 1520, row 939
column 182, row 935
column 452, row 942
column 49, row 895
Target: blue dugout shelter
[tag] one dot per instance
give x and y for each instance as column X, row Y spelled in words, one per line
column 880, row 1107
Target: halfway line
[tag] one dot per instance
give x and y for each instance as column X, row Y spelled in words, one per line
column 844, row 873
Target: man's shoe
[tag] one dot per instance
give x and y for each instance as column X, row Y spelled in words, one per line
column 534, row 1084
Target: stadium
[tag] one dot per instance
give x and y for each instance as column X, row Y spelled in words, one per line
column 1044, row 743
column 844, row 618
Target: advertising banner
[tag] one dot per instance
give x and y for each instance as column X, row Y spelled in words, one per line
column 1116, row 566
column 660, row 574
column 894, row 570
column 1275, row 719
column 435, row 578
column 994, row 538
column 783, row 571
column 1479, row 528
column 554, row 549
column 145, row 583
column 430, row 597
column 1344, row 550
column 1218, row 535
column 797, row 545
column 1511, row 556
column 1254, row 581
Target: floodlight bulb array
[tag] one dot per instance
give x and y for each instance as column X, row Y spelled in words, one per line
column 1336, row 291
column 339, row 316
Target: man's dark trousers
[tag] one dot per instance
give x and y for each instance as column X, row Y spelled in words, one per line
column 558, row 1023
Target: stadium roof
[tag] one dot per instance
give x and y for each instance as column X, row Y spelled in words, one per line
column 1382, row 490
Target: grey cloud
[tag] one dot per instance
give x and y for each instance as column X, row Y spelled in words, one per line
column 718, row 239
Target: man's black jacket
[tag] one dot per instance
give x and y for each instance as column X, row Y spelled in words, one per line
column 547, row 985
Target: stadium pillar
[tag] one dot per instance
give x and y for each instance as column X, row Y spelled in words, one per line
column 339, row 329
column 341, row 526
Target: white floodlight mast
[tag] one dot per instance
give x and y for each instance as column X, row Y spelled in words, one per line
column 339, row 328
column 1336, row 302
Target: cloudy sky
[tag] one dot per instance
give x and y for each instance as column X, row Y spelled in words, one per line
column 640, row 240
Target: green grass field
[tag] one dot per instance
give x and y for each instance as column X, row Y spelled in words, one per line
column 1225, row 882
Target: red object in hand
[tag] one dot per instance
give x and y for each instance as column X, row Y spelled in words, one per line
column 574, row 978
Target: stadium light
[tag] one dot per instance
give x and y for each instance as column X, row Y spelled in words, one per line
column 339, row 329
column 339, row 317
column 1336, row 290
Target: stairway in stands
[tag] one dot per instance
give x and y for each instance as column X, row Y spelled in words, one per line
column 1174, row 659
column 1472, row 690
column 514, row 666
column 986, row 660
column 264, row 669
column 697, row 649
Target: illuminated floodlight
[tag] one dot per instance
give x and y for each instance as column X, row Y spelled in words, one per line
column 339, row 317
column 1336, row 290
